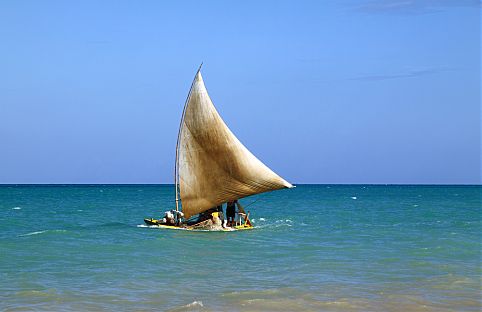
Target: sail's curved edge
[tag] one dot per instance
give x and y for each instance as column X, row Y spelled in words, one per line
column 213, row 165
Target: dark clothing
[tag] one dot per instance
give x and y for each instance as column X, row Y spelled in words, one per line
column 231, row 210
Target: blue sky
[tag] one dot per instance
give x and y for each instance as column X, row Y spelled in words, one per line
column 321, row 91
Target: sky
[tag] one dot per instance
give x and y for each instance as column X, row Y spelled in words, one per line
column 368, row 91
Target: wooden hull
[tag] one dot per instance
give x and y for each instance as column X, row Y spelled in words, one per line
column 156, row 223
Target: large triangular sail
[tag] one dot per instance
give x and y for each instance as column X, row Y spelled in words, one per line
column 212, row 165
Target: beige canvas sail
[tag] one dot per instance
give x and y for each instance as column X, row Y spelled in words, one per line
column 213, row 165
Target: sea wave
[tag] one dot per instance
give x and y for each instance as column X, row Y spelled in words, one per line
column 42, row 232
column 276, row 224
column 193, row 306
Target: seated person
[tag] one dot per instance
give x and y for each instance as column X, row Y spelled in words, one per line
column 169, row 218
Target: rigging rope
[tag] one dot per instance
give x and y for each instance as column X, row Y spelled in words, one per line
column 259, row 197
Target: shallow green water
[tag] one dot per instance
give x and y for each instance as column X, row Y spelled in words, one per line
column 315, row 248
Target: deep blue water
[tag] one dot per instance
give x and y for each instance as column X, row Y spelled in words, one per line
column 315, row 248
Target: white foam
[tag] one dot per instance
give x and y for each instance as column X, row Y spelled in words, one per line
column 353, row 197
column 146, row 226
column 284, row 221
column 194, row 304
column 262, row 219
column 17, row 208
column 278, row 223
column 33, row 233
column 282, row 224
column 44, row 231
column 186, row 229
column 149, row 226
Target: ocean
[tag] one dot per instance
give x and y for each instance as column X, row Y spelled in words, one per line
column 314, row 248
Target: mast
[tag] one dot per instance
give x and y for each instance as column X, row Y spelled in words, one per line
column 176, row 163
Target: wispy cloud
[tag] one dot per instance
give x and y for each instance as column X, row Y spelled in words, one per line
column 407, row 74
column 412, row 6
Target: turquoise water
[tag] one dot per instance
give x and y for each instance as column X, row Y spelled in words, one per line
column 315, row 248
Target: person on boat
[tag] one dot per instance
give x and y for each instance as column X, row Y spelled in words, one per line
column 218, row 216
column 169, row 218
column 177, row 216
column 219, row 209
column 221, row 216
column 216, row 220
column 231, row 212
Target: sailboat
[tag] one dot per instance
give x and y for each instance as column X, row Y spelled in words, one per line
column 212, row 167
